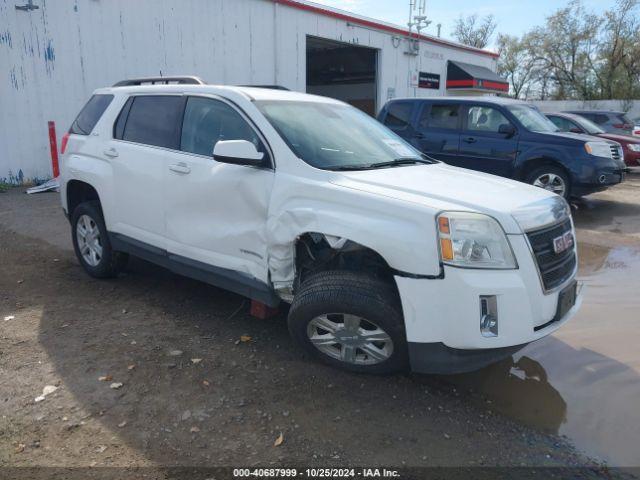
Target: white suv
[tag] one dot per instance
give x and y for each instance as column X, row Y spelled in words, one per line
column 388, row 258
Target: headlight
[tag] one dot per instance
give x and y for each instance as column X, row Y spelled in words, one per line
column 634, row 147
column 598, row 149
column 473, row 240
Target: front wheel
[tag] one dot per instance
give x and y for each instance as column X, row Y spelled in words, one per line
column 551, row 178
column 350, row 321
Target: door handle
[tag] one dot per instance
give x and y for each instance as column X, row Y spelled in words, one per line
column 470, row 140
column 418, row 135
column 180, row 168
column 111, row 153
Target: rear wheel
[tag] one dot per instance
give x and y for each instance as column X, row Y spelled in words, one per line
column 551, row 178
column 350, row 321
column 91, row 242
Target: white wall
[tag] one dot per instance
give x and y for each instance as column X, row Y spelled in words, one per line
column 51, row 59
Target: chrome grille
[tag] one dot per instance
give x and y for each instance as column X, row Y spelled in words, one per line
column 615, row 152
column 555, row 268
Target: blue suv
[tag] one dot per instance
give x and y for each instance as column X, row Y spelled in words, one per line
column 506, row 137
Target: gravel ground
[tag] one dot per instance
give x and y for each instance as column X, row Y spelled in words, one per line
column 157, row 370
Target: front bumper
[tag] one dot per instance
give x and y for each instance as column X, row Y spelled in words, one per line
column 437, row 358
column 631, row 158
column 596, row 175
column 442, row 317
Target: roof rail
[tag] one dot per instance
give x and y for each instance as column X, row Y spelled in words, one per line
column 188, row 80
column 272, row 87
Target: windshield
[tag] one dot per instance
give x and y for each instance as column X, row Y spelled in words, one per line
column 532, row 119
column 588, row 125
column 333, row 136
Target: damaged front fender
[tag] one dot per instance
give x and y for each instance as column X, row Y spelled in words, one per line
column 399, row 232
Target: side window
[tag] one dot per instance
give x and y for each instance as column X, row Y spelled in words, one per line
column 563, row 124
column 485, row 119
column 90, row 114
column 207, row 121
column 154, row 120
column 558, row 122
column 398, row 115
column 440, row 116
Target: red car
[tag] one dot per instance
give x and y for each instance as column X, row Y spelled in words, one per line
column 568, row 122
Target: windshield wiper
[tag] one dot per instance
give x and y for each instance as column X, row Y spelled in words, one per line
column 399, row 162
column 392, row 163
column 365, row 166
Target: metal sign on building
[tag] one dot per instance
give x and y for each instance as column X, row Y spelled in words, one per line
column 429, row 80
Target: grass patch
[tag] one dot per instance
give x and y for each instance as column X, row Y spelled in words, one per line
column 4, row 187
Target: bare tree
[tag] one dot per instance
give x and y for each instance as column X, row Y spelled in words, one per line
column 473, row 32
column 566, row 46
column 587, row 56
column 518, row 64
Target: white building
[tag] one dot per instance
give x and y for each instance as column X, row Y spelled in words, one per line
column 53, row 54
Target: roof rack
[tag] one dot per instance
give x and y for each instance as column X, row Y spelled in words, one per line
column 189, row 80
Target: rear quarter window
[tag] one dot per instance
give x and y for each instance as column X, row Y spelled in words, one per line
column 90, row 114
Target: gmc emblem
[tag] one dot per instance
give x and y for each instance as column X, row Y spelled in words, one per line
column 563, row 242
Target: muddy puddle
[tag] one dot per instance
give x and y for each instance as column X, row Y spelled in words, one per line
column 584, row 380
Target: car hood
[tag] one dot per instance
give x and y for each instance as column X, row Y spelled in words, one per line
column 443, row 187
column 579, row 138
column 619, row 138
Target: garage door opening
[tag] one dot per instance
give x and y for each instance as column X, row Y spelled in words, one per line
column 343, row 71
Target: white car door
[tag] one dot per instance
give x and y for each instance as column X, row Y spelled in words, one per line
column 146, row 130
column 216, row 212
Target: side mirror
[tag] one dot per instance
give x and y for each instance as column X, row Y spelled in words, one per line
column 238, row 152
column 575, row 130
column 507, row 129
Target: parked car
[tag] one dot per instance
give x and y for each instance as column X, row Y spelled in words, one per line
column 508, row 138
column 569, row 122
column 386, row 257
column 636, row 127
column 611, row 122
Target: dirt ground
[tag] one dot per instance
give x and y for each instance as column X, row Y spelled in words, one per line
column 202, row 383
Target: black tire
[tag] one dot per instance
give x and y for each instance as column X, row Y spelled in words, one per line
column 343, row 292
column 550, row 170
column 110, row 263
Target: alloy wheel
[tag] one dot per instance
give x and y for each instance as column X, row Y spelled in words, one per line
column 89, row 242
column 350, row 338
column 552, row 182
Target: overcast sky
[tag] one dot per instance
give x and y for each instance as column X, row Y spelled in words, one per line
column 513, row 16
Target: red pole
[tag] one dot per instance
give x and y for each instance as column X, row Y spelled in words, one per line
column 53, row 144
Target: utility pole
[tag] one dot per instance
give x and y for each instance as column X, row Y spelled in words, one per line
column 417, row 19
